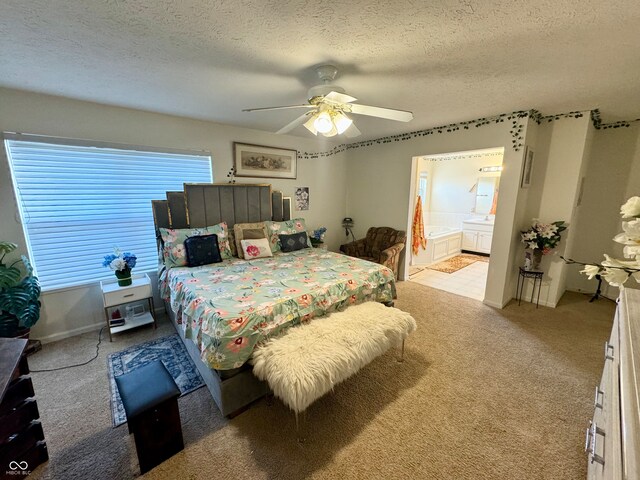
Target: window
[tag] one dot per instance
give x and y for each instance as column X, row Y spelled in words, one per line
column 78, row 201
column 422, row 188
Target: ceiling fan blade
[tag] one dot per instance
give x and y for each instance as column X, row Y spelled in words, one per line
column 306, row 105
column 388, row 113
column 339, row 97
column 290, row 126
column 352, row 131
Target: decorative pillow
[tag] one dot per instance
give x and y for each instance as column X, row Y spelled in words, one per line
column 202, row 250
column 173, row 252
column 289, row 227
column 258, row 248
column 293, row 242
column 248, row 231
column 232, row 243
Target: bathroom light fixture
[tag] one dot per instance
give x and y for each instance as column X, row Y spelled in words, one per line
column 494, row 168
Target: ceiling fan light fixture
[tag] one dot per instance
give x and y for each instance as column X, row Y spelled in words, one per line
column 309, row 125
column 323, row 123
column 342, row 122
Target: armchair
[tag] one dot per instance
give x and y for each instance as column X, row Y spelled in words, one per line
column 381, row 245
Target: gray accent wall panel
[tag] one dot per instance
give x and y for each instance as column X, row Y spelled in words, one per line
column 177, row 210
column 161, row 213
column 209, row 204
column 276, row 206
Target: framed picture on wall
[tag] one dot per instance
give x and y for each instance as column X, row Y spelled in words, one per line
column 527, row 172
column 266, row 162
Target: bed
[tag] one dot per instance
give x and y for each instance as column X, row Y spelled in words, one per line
column 224, row 310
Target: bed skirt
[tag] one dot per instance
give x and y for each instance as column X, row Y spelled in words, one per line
column 231, row 389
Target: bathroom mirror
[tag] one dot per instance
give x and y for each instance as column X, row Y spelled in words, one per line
column 484, row 194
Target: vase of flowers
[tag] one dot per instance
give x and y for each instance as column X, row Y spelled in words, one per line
column 317, row 236
column 541, row 239
column 121, row 264
column 614, row 271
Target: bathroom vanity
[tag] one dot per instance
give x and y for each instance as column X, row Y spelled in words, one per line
column 477, row 235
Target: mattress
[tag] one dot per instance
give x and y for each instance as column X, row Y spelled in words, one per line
column 228, row 308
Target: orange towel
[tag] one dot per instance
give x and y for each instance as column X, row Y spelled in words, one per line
column 418, row 238
column 494, row 205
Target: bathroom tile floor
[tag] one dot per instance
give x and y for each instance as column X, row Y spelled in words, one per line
column 469, row 281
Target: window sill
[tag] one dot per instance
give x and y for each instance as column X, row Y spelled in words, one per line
column 52, row 291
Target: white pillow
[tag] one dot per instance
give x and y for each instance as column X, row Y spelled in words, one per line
column 258, row 248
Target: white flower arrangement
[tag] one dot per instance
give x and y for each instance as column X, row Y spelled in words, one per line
column 614, row 271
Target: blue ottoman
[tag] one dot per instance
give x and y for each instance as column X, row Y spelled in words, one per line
column 150, row 399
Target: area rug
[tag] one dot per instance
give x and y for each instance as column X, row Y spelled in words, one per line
column 173, row 354
column 458, row 262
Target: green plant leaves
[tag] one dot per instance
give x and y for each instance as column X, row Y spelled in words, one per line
column 19, row 297
column 7, row 247
column 9, row 276
column 29, row 315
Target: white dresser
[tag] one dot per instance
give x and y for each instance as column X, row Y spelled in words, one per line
column 613, row 436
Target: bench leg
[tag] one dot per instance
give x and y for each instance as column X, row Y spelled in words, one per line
column 401, row 359
column 301, row 421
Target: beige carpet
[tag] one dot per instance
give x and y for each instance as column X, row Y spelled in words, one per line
column 458, row 262
column 483, row 394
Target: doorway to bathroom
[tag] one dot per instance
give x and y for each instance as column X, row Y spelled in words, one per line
column 455, row 203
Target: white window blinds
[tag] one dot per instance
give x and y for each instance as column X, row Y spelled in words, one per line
column 78, row 202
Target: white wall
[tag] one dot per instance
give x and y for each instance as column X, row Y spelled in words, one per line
column 77, row 310
column 612, row 176
column 380, row 179
column 454, row 179
column 561, row 150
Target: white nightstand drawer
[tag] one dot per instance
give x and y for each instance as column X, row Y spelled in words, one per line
column 140, row 289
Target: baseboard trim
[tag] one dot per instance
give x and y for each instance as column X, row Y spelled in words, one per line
column 54, row 337
column 494, row 304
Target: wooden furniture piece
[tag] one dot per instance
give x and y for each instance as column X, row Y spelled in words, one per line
column 522, row 276
column 22, row 444
column 477, row 236
column 150, row 399
column 613, row 436
column 113, row 295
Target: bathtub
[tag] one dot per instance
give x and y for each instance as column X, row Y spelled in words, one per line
column 442, row 243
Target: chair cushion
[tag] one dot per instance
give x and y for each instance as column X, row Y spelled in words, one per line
column 146, row 387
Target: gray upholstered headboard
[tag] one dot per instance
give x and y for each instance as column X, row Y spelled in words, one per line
column 204, row 204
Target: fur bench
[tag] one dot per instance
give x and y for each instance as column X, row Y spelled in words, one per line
column 305, row 363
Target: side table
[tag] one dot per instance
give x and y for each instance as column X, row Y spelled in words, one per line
column 114, row 295
column 522, row 276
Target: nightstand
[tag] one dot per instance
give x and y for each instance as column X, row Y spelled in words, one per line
column 114, row 295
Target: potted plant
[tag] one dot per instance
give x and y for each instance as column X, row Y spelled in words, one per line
column 541, row 238
column 317, row 237
column 19, row 295
column 121, row 263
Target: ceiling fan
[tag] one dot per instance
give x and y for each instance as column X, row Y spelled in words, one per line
column 328, row 108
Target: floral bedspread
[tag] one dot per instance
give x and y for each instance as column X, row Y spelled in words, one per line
column 227, row 308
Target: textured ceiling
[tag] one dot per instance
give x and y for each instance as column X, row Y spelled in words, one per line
column 445, row 60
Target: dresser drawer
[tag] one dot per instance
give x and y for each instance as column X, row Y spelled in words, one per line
column 22, row 442
column 17, row 420
column 125, row 295
column 17, row 393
